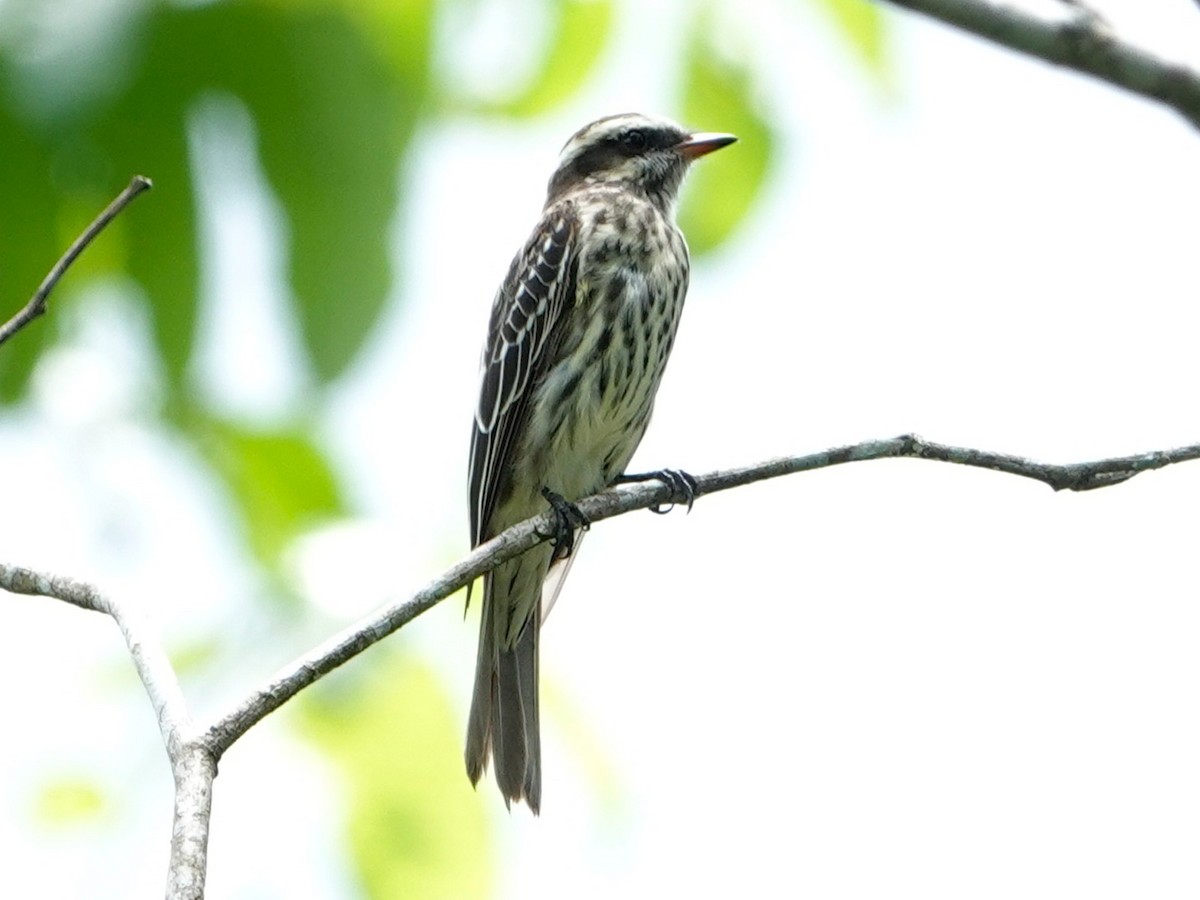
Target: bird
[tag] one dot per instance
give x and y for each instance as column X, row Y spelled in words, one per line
column 578, row 338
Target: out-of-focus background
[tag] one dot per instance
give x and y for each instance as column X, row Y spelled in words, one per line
column 247, row 414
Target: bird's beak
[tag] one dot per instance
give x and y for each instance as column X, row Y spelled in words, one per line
column 696, row 145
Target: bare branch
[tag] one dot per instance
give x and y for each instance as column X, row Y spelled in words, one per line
column 149, row 659
column 516, row 540
column 1083, row 476
column 353, row 640
column 37, row 303
column 1081, row 41
column 192, row 764
column 194, row 769
column 194, row 752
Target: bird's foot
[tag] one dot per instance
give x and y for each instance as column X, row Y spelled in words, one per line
column 679, row 481
column 567, row 518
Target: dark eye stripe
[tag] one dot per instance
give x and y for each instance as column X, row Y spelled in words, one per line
column 606, row 149
column 634, row 140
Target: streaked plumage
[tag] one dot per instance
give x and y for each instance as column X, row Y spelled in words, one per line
column 579, row 335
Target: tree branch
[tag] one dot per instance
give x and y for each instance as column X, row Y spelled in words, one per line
column 193, row 765
column 37, row 303
column 614, row 502
column 149, row 659
column 1081, row 41
column 194, row 751
column 194, row 770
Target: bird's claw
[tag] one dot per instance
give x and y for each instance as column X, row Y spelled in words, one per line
column 567, row 518
column 679, row 481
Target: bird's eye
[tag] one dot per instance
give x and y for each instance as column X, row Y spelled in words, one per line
column 634, row 139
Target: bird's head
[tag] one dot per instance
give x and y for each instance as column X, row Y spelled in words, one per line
column 635, row 151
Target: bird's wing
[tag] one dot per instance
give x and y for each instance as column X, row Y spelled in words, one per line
column 526, row 311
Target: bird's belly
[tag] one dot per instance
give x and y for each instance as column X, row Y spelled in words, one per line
column 595, row 403
column 596, row 438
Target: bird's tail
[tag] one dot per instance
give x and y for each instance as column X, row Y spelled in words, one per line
column 504, row 708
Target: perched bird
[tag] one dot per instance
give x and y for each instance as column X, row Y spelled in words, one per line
column 579, row 335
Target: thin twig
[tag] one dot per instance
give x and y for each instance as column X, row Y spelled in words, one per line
column 358, row 637
column 37, row 303
column 1082, row 41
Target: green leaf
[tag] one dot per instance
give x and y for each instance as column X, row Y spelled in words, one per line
column 581, row 30
column 416, row 828
column 402, row 33
column 69, row 800
column 281, row 481
column 863, row 25
column 161, row 232
column 333, row 122
column 719, row 96
column 141, row 129
column 28, row 248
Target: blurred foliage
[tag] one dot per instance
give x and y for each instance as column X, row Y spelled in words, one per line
column 69, row 800
column 414, row 830
column 588, row 751
column 193, row 654
column 336, row 90
column 282, row 482
column 581, row 32
column 29, row 242
column 720, row 91
column 864, row 27
column 333, row 117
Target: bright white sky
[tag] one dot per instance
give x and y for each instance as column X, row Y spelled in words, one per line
column 890, row 679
